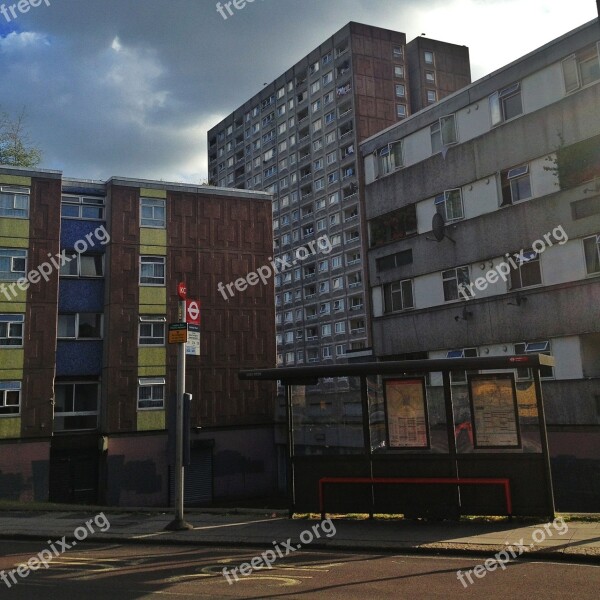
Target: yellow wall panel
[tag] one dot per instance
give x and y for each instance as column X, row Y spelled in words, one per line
column 151, row 420
column 10, row 427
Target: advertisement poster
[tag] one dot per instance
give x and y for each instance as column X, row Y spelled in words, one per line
column 494, row 409
column 406, row 412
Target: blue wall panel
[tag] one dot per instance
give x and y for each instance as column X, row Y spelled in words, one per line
column 81, row 295
column 73, row 230
column 78, row 358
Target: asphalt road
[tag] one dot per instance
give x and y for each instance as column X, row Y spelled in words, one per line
column 116, row 572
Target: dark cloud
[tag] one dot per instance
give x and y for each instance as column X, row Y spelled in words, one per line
column 129, row 87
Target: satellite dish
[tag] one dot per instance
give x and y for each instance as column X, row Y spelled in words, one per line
column 439, row 227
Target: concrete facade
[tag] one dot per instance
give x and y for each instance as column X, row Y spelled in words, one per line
column 510, row 163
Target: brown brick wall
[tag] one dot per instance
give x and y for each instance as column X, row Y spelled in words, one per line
column 210, row 239
column 41, row 312
column 373, row 67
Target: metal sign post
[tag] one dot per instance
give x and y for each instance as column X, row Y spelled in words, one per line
column 179, row 523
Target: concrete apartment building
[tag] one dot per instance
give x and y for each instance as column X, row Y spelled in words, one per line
column 86, row 374
column 508, row 171
column 298, row 139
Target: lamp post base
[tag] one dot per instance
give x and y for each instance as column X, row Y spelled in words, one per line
column 178, row 525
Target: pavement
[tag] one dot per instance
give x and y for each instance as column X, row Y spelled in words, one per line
column 573, row 540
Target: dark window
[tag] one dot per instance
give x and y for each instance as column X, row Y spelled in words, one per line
column 395, row 260
column 393, row 226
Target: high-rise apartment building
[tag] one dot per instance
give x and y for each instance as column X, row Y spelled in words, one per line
column 298, row 139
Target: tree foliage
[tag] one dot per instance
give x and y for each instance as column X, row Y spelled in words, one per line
column 16, row 149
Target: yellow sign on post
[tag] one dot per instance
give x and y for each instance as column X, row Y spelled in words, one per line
column 178, row 333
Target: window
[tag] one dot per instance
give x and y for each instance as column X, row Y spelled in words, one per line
column 397, row 52
column 327, row 78
column 450, row 205
column 80, row 326
column 340, row 350
column 281, row 128
column 400, row 90
column 453, row 280
column 390, row 157
column 10, row 398
column 340, row 327
column 338, row 305
column 460, row 377
column 330, row 137
column 326, row 351
column 315, row 87
column 11, row 330
column 581, row 69
column 317, row 125
column 333, row 177
column 337, row 283
column 392, row 261
column 151, row 393
column 316, row 105
column 443, row 133
column 13, row 264
column 393, row 226
column 516, row 185
column 328, row 98
column 528, row 272
column 281, row 92
column 318, row 164
column 430, row 76
column 401, row 111
column 428, row 56
column 398, row 296
column 506, row 104
column 591, row 248
column 83, row 265
column 331, row 158
column 398, row 71
column 82, row 207
column 336, row 261
column 325, row 330
column 534, row 348
column 152, row 270
column 76, row 406
column 152, row 213
column 327, row 58
column 334, row 198
column 14, row 202
column 330, row 117
column 431, row 96
column 152, row 331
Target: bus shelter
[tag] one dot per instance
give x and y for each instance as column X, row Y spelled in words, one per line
column 436, row 438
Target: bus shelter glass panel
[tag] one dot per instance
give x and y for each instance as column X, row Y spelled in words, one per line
column 406, row 414
column 494, row 412
column 328, row 418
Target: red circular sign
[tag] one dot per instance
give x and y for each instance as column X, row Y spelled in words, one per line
column 182, row 290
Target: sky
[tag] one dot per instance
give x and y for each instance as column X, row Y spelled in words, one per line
column 130, row 87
